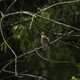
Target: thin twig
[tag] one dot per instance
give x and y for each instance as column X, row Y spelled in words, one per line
column 34, row 76
column 34, row 50
column 57, row 22
column 2, row 15
column 59, row 3
column 31, row 22
column 45, row 59
column 52, row 20
column 19, row 12
column 12, row 3
column 30, row 75
column 52, row 42
column 11, row 72
column 75, row 46
column 59, row 38
column 8, row 46
column 25, row 12
column 29, row 52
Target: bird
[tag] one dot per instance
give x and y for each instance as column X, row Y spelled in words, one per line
column 44, row 41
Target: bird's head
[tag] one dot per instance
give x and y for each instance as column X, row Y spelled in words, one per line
column 42, row 33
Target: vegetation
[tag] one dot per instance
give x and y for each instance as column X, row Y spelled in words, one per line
column 21, row 54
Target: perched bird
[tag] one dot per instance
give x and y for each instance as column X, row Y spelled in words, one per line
column 44, row 41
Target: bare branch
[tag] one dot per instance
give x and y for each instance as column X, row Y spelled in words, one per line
column 52, row 20
column 8, row 46
column 2, row 15
column 31, row 22
column 10, row 6
column 11, row 72
column 57, row 22
column 60, row 3
column 12, row 60
column 21, row 75
column 45, row 59
column 36, row 49
column 59, row 38
column 34, row 76
column 19, row 12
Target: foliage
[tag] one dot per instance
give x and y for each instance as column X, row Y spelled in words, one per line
column 20, row 36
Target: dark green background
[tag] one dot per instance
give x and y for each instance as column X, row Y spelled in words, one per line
column 64, row 56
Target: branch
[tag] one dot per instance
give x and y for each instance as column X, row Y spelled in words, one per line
column 29, row 52
column 11, row 72
column 2, row 15
column 34, row 50
column 8, row 45
column 41, row 56
column 31, row 14
column 31, row 22
column 34, row 76
column 52, row 20
column 10, row 6
column 59, row 3
column 57, row 22
column 19, row 12
column 21, row 75
column 75, row 46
